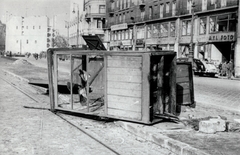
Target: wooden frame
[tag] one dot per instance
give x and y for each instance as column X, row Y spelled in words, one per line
column 131, row 71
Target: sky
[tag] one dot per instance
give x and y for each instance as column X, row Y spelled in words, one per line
column 50, row 8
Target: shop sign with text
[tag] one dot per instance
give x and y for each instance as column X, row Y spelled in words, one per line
column 119, row 27
column 221, row 37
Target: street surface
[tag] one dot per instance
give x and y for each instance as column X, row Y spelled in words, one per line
column 218, row 92
column 28, row 128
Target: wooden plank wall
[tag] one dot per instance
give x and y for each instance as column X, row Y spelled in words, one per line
column 124, row 86
column 184, row 84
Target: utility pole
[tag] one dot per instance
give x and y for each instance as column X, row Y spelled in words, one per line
column 191, row 50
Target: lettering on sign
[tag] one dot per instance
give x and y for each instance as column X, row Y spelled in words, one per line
column 221, row 37
column 119, row 27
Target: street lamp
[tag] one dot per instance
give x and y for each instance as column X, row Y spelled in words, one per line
column 191, row 50
column 77, row 21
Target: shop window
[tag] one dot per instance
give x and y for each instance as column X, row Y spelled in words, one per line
column 102, row 9
column 164, row 30
column 161, row 10
column 149, row 31
column 130, row 33
column 186, row 27
column 119, row 35
column 213, row 24
column 123, row 35
column 140, row 32
column 115, row 35
column 174, row 8
column 127, row 34
column 222, row 22
column 167, row 7
column 203, row 24
column 155, row 30
column 172, row 29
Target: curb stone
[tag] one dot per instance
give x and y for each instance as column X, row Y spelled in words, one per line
column 174, row 146
column 14, row 75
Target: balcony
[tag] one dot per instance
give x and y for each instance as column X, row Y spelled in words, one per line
column 95, row 15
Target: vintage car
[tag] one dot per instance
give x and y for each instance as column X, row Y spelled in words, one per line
column 202, row 68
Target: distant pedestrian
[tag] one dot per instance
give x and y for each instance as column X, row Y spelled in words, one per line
column 230, row 69
column 224, row 69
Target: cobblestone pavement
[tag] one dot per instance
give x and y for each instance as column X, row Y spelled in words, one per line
column 218, row 92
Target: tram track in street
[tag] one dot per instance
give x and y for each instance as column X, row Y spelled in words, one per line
column 59, row 116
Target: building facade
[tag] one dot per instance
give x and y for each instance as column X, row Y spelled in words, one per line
column 31, row 34
column 87, row 17
column 210, row 25
column 2, row 36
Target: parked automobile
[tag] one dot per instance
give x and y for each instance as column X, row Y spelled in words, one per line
column 202, row 68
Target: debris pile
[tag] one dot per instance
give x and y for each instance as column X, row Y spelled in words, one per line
column 21, row 62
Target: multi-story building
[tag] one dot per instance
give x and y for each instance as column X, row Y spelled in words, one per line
column 209, row 25
column 31, row 34
column 2, row 36
column 87, row 17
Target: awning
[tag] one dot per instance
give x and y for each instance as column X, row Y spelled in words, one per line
column 94, row 42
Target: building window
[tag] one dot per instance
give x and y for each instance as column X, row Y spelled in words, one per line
column 172, row 29
column 26, row 27
column 149, row 31
column 174, row 8
column 39, row 27
column 150, row 12
column 17, row 41
column 99, row 23
column 33, row 27
column 102, row 9
column 204, row 5
column 123, row 35
column 124, row 4
column 120, row 3
column 189, row 6
column 119, row 35
column 161, row 10
column 124, row 17
column 167, row 7
column 155, row 30
column 130, row 33
column 120, row 18
column 203, row 25
column 222, row 23
column 223, row 3
column 35, row 41
column 27, row 41
column 116, row 19
column 186, row 27
column 117, row 2
column 127, row 34
column 16, row 27
column 140, row 32
column 164, row 30
column 112, row 5
column 142, row 14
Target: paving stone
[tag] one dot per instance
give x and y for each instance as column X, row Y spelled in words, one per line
column 212, row 125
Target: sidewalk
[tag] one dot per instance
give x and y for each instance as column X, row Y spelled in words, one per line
column 177, row 137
